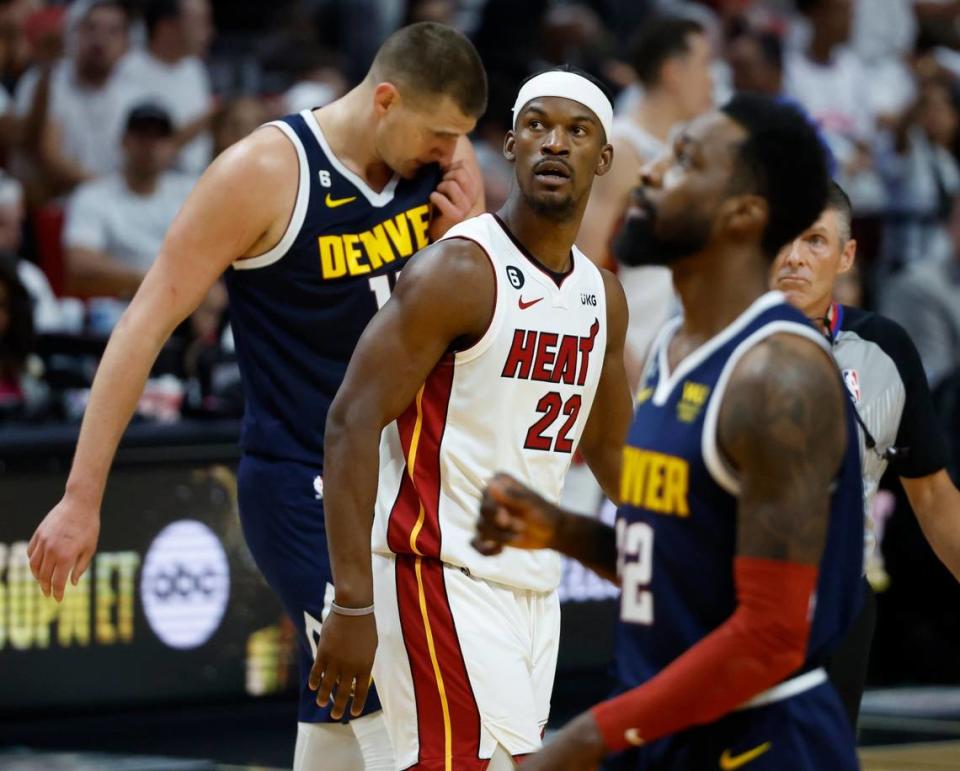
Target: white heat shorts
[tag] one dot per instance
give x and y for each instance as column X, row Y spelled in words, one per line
column 463, row 664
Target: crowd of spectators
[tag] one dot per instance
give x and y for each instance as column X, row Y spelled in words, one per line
column 110, row 109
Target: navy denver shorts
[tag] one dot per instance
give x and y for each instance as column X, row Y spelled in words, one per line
column 807, row 732
column 281, row 510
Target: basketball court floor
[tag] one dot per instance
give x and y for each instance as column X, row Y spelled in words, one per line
column 932, row 756
column 902, row 729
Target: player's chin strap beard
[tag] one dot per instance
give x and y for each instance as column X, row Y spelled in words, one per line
column 826, row 320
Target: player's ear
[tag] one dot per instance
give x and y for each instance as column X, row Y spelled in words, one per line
column 385, row 96
column 508, row 145
column 848, row 256
column 606, row 160
column 745, row 214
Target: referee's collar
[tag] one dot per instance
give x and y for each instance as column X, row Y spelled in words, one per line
column 835, row 314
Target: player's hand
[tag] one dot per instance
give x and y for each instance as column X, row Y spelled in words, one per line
column 63, row 545
column 511, row 514
column 578, row 746
column 454, row 198
column 344, row 662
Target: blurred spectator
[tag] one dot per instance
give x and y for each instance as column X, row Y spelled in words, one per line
column 115, row 225
column 208, row 368
column 756, row 61
column 21, row 392
column 503, row 37
column 46, row 311
column 43, row 31
column 487, row 138
column 16, row 47
column 848, row 287
column 572, row 34
column 171, row 73
column 237, row 119
column 85, row 101
column 925, row 300
column 827, row 78
column 624, row 17
column 22, row 126
column 938, row 21
column 440, row 11
column 319, row 82
column 884, row 32
column 672, row 60
column 921, row 175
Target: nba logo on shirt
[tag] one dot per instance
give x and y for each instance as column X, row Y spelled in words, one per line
column 852, row 378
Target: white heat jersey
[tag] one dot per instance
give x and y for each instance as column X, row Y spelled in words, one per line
column 515, row 401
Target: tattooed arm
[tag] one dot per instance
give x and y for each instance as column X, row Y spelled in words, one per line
column 782, row 427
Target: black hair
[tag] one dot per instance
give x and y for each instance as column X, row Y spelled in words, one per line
column 155, row 11
column 118, row 4
column 769, row 43
column 661, row 38
column 782, row 160
column 839, row 201
column 433, row 59
column 17, row 343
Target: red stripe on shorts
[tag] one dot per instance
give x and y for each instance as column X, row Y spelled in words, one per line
column 444, row 696
column 423, row 490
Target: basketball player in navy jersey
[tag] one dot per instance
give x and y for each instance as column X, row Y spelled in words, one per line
column 738, row 537
column 503, row 343
column 312, row 218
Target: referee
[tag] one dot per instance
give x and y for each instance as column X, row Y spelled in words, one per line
column 898, row 425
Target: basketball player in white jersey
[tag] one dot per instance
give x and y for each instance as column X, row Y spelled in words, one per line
column 672, row 57
column 502, row 346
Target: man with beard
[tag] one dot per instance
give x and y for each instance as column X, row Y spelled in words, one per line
column 501, row 345
column 737, row 541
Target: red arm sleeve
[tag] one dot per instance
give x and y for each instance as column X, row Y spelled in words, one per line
column 764, row 641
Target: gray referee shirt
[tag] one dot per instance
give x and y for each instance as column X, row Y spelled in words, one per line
column 883, row 373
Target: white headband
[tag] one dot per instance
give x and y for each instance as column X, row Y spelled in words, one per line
column 567, row 85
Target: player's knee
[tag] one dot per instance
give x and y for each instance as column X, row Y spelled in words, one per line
column 322, row 746
column 374, row 741
column 501, row 760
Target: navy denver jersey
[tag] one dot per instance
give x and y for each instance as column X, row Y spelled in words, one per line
column 298, row 310
column 677, row 524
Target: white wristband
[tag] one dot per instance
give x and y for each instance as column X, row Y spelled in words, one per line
column 339, row 609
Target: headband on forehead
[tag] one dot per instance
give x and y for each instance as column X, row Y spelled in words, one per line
column 567, row 85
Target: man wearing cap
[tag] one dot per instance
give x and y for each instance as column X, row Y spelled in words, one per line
column 116, row 224
column 501, row 346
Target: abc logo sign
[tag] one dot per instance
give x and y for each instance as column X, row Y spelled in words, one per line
column 185, row 584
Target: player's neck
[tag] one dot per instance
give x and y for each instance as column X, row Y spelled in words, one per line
column 548, row 241
column 342, row 123
column 820, row 314
column 715, row 289
column 169, row 51
column 821, row 48
column 142, row 184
